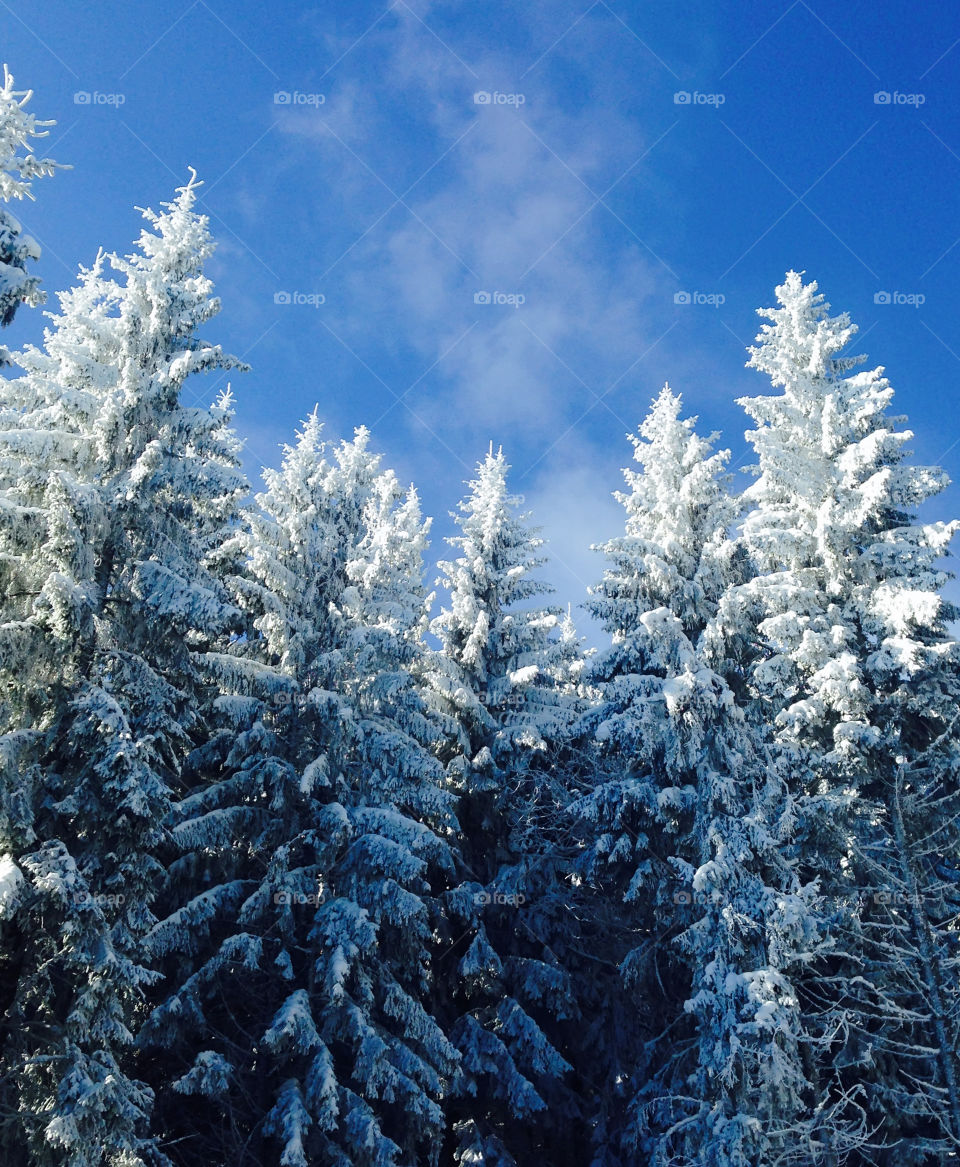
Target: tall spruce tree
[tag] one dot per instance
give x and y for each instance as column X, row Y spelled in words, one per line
column 688, row 823
column 115, row 496
column 299, row 1026
column 841, row 636
column 501, row 680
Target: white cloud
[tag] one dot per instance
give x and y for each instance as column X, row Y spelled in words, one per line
column 504, row 210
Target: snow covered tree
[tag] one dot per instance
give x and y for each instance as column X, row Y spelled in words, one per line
column 675, row 554
column 299, row 1025
column 503, row 681
column 503, row 659
column 670, row 561
column 688, row 819
column 398, row 858
column 18, row 168
column 725, row 1081
column 841, row 637
column 115, row 498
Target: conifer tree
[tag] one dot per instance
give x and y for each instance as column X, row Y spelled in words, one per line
column 687, row 828
column 115, row 497
column 841, row 636
column 299, row 1024
column 501, row 680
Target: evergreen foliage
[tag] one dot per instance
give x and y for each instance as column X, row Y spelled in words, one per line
column 298, row 867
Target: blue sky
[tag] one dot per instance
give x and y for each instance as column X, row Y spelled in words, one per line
column 628, row 152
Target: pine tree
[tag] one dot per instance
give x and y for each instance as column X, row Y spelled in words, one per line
column 115, row 498
column 17, row 171
column 299, row 1022
column 841, row 636
column 687, row 826
column 249, row 835
column 501, row 681
column 399, row 858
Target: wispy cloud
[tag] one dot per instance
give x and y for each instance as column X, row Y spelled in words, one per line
column 509, row 210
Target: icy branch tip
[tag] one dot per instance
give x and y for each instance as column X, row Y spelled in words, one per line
column 192, row 185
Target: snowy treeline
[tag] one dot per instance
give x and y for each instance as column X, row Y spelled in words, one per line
column 293, row 874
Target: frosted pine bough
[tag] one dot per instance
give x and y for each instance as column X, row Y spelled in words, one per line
column 18, row 167
column 287, row 878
